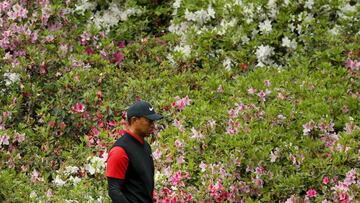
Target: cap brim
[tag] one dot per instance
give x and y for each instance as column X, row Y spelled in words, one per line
column 154, row 117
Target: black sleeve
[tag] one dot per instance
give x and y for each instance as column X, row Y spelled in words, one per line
column 115, row 193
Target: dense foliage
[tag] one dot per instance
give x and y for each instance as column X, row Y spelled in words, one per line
column 260, row 98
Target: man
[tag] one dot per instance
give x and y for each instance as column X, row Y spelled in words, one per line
column 130, row 166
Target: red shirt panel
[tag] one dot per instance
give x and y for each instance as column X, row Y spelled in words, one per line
column 117, row 163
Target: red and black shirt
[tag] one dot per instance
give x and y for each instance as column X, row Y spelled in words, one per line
column 130, row 160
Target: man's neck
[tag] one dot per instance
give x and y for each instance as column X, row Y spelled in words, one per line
column 136, row 133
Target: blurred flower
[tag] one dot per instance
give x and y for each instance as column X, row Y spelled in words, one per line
column 308, row 127
column 325, row 180
column 183, row 49
column 78, row 107
column 11, row 78
column 4, row 140
column 33, row 195
column 227, row 63
column 20, row 137
column 181, row 103
column 178, row 125
column 353, row 65
column 196, row 134
column 157, row 154
column 265, row 27
column 311, row 193
column 263, row 54
column 71, row 170
column 58, row 181
column 75, row 180
column 202, row 166
column 34, row 176
column 251, row 91
column 118, row 57
column 286, row 42
column 274, row 155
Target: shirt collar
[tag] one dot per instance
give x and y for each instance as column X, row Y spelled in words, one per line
column 134, row 136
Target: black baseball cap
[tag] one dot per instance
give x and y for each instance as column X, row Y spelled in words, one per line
column 143, row 108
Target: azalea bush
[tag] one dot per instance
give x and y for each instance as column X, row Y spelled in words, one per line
column 260, row 98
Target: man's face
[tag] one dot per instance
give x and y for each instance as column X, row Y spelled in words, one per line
column 144, row 126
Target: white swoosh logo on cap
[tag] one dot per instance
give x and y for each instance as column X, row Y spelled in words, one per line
column 151, row 109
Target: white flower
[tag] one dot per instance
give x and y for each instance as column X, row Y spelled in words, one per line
column 335, row 30
column 245, row 39
column 176, row 4
column 211, row 12
column 75, row 180
column 11, row 78
column 200, row 16
column 179, row 29
column 271, row 3
column 286, row 2
column 90, row 169
column 71, row 170
column 263, row 53
column 33, row 195
column 348, row 8
column 309, row 4
column 58, row 181
column 96, row 165
column 227, row 64
column 265, row 27
column 84, row 5
column 184, row 49
column 286, row 42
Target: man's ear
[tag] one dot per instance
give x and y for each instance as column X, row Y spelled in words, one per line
column 132, row 120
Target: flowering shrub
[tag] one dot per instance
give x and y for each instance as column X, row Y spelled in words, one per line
column 260, row 98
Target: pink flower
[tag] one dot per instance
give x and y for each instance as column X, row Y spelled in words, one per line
column 178, row 125
column 251, row 91
column 43, row 69
column 311, row 193
column 259, row 170
column 180, row 159
column 118, row 57
column 220, row 89
column 34, row 176
column 202, row 166
column 258, row 182
column 232, row 128
column 4, row 140
column 49, row 193
column 175, row 180
column 181, row 103
column 325, row 180
column 49, row 38
column 178, row 144
column 267, row 83
column 196, row 134
column 95, row 132
column 353, row 65
column 262, row 95
column 291, row 199
column 78, row 108
column 157, row 154
column 85, row 37
column 121, row 44
column 20, row 137
column 343, row 196
column 89, row 51
column 308, row 127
